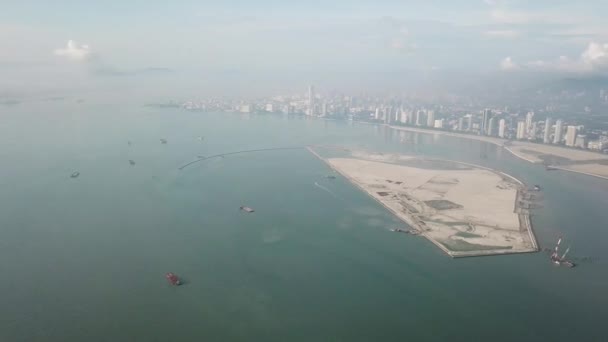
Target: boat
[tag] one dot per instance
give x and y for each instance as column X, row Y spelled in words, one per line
column 132, row 162
column 537, row 187
column 75, row 174
column 247, row 209
column 173, row 279
column 331, row 177
column 163, row 141
column 561, row 260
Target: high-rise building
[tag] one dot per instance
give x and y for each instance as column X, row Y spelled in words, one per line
column 311, row 100
column 547, row 136
column 419, row 117
column 485, row 120
column 529, row 118
column 430, row 118
column 403, row 119
column 521, row 130
column 490, row 128
column 324, row 109
column 460, row 123
column 438, row 123
column 581, row 141
column 502, row 125
column 532, row 132
column 470, row 122
column 557, row 137
column 571, row 133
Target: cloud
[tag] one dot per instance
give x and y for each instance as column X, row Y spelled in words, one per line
column 505, row 34
column 594, row 59
column 74, row 52
column 508, row 64
column 402, row 45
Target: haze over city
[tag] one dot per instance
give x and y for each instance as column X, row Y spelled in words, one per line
column 225, row 48
column 303, row 171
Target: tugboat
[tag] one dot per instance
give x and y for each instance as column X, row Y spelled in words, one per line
column 75, row 174
column 247, row 209
column 173, row 279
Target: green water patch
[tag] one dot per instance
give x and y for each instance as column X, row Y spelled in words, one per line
column 467, row 235
column 442, row 204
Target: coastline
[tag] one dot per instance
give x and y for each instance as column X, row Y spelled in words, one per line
column 412, row 221
column 501, row 143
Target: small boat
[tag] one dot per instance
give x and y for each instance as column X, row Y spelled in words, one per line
column 331, row 177
column 75, row 174
column 132, row 162
column 173, row 279
column 163, row 141
column 247, row 209
column 537, row 187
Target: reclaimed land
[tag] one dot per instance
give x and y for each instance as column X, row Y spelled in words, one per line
column 465, row 210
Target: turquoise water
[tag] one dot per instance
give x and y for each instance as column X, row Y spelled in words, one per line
column 84, row 259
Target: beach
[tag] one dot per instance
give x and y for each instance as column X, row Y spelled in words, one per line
column 463, row 209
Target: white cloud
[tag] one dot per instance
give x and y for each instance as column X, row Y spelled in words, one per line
column 593, row 59
column 506, row 34
column 596, row 56
column 402, row 45
column 74, row 52
column 507, row 64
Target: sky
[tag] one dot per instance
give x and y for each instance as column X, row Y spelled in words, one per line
column 74, row 44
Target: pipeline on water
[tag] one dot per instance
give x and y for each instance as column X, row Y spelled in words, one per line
column 237, row 152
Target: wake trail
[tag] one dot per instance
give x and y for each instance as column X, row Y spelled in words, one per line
column 326, row 190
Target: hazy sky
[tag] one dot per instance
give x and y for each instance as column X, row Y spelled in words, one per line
column 46, row 43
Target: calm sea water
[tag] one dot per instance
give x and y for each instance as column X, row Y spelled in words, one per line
column 84, row 259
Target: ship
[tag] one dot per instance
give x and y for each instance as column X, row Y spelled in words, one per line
column 163, row 141
column 537, row 187
column 561, row 260
column 173, row 279
column 75, row 174
column 132, row 162
column 247, row 209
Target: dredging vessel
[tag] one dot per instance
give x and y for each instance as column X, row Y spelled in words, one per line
column 561, row 260
column 173, row 279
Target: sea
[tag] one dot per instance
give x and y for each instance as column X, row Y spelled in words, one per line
column 84, row 259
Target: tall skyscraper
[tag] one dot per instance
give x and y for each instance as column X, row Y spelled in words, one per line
column 311, row 100
column 430, row 118
column 460, row 123
column 491, row 126
column 521, row 130
column 404, row 114
column 529, row 118
column 485, row 120
column 557, row 138
column 469, row 122
column 532, row 132
column 571, row 133
column 547, row 136
column 502, row 126
column 419, row 117
column 377, row 114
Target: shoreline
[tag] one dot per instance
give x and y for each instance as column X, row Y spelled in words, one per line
column 495, row 141
column 411, row 221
